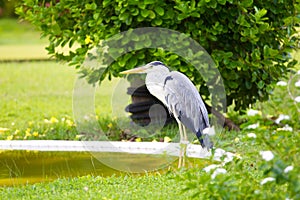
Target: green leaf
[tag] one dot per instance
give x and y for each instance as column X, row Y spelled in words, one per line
column 158, row 22
column 96, row 16
column 248, row 85
column 260, row 84
column 233, row 84
column 124, row 16
column 145, row 13
column 151, row 14
column 222, row 2
column 246, row 3
column 149, row 1
column 159, row 10
column 106, row 3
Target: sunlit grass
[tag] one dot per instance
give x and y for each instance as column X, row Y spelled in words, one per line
column 34, row 91
column 13, row 31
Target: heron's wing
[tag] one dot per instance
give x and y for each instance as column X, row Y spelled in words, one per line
column 183, row 100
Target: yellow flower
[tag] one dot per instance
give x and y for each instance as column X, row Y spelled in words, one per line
column 154, row 140
column 10, row 137
column 236, row 140
column 69, row 122
column 17, row 132
column 30, row 123
column 35, row 134
column 53, row 120
column 167, row 139
column 110, row 125
column 114, row 118
column 238, row 155
column 27, row 134
column 27, row 130
column 46, row 121
column 196, row 141
column 88, row 39
column 78, row 136
column 138, row 139
column 2, row 130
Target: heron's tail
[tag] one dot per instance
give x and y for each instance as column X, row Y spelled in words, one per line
column 204, row 140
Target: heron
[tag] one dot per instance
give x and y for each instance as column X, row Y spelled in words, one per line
column 181, row 97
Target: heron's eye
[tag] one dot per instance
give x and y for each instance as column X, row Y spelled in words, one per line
column 155, row 63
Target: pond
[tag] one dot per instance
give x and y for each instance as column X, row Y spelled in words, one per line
column 23, row 166
column 33, row 161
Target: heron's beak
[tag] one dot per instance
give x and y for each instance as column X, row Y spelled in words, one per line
column 138, row 70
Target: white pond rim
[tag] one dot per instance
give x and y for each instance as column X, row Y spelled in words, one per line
column 172, row 149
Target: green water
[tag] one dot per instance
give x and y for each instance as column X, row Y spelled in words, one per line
column 22, row 167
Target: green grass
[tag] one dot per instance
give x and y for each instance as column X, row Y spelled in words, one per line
column 33, row 91
column 19, row 40
column 13, row 32
column 124, row 187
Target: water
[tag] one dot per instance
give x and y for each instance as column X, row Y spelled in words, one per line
column 23, row 167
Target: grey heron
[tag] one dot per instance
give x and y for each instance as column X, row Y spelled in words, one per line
column 180, row 96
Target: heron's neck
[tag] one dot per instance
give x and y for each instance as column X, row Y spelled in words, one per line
column 155, row 84
column 156, row 78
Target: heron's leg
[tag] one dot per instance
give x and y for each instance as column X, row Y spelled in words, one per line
column 180, row 162
column 181, row 139
column 185, row 142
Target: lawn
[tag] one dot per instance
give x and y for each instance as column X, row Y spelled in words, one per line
column 265, row 157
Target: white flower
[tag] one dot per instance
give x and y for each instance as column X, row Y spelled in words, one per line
column 268, row 179
column 217, row 172
column 251, row 135
column 288, row 168
column 253, row 126
column 298, row 72
column 252, row 112
column 285, row 128
column 282, row 117
column 281, row 83
column 297, row 99
column 210, row 167
column 221, row 153
column 229, row 157
column 266, row 155
column 297, row 84
column 209, row 131
column 218, row 154
column 85, row 188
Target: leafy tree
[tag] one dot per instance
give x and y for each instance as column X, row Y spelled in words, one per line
column 250, row 41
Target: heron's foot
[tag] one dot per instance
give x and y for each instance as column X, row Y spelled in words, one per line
column 182, row 155
column 179, row 162
column 184, row 142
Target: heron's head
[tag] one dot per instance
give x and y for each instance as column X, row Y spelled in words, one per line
column 155, row 66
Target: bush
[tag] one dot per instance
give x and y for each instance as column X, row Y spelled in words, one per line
column 250, row 41
column 7, row 8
